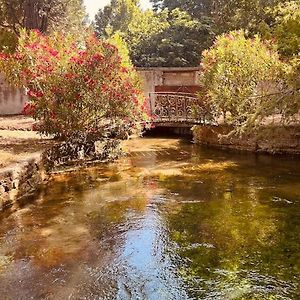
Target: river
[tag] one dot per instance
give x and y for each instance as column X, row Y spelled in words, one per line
column 170, row 220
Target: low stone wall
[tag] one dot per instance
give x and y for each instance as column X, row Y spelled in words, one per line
column 269, row 139
column 20, row 180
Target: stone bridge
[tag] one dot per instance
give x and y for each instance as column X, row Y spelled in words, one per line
column 176, row 109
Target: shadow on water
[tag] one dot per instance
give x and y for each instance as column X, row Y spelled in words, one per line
column 168, row 221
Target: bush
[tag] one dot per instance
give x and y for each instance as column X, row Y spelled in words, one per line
column 244, row 81
column 75, row 87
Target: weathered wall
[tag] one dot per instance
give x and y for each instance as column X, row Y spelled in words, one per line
column 20, row 180
column 150, row 78
column 173, row 77
column 12, row 100
column 275, row 139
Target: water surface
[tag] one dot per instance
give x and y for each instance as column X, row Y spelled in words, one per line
column 169, row 221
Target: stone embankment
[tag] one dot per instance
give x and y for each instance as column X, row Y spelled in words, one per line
column 20, row 180
column 21, row 166
column 268, row 139
column 27, row 159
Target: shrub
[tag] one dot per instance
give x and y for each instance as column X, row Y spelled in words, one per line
column 75, row 87
column 244, row 81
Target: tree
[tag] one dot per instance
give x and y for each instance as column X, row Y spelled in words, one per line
column 196, row 8
column 115, row 17
column 46, row 16
column 165, row 38
column 225, row 15
column 8, row 40
column 38, row 14
column 168, row 39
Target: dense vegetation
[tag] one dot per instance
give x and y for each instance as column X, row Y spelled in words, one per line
column 249, row 51
column 46, row 16
column 177, row 31
column 255, row 79
column 75, row 87
column 245, row 82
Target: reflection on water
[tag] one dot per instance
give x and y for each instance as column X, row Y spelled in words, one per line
column 169, row 221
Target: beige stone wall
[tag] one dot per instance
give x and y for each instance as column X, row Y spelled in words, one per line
column 12, row 100
column 179, row 78
column 21, row 180
column 152, row 77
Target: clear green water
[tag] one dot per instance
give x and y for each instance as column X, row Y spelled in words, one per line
column 169, row 221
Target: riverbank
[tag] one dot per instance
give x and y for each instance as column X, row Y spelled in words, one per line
column 21, row 166
column 268, row 139
column 27, row 159
column 25, row 155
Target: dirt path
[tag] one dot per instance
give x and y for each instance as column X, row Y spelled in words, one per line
column 16, row 146
column 16, row 123
column 17, row 140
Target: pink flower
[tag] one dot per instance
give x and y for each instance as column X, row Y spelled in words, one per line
column 28, row 109
column 35, row 94
column 97, row 57
column 54, row 53
column 3, row 55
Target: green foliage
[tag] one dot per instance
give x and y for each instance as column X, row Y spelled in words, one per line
column 123, row 51
column 62, row 15
column 165, row 38
column 196, row 8
column 115, row 17
column 285, row 27
column 75, row 88
column 292, row 96
column 177, row 31
column 73, row 19
column 224, row 15
column 177, row 40
column 244, row 80
column 119, row 42
column 8, row 40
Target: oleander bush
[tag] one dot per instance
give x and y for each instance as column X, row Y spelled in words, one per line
column 75, row 87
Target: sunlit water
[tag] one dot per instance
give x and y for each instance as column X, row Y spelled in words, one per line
column 169, row 221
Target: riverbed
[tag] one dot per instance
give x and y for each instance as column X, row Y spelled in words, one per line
column 170, row 220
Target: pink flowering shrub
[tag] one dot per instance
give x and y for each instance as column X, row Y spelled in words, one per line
column 75, row 87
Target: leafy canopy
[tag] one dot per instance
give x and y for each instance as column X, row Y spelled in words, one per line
column 165, row 38
column 284, row 27
column 45, row 16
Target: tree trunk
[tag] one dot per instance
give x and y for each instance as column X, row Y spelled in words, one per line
column 35, row 15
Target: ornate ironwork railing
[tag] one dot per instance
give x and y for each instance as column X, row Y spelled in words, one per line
column 177, row 107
